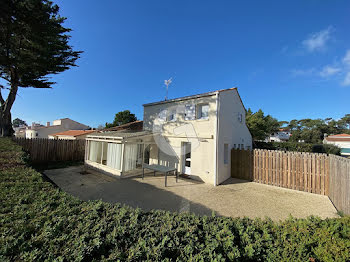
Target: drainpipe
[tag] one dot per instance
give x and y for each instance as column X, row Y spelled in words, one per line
column 216, row 141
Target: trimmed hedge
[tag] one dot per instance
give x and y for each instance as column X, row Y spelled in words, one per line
column 40, row 222
column 299, row 147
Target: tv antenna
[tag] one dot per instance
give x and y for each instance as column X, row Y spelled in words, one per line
column 167, row 83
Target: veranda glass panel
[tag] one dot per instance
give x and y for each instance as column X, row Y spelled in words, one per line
column 95, row 151
column 114, row 155
column 133, row 155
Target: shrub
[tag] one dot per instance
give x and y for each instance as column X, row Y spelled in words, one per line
column 40, row 222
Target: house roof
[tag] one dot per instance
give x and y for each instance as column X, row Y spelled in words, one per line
column 339, row 138
column 74, row 133
column 136, row 125
column 120, row 134
column 191, row 97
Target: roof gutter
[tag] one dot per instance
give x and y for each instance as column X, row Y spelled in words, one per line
column 216, row 140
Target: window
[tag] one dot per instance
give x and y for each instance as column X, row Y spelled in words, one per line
column 162, row 114
column 225, row 154
column 114, row 155
column 248, row 147
column 147, row 155
column 242, row 146
column 172, row 115
column 240, row 117
column 202, row 111
column 95, row 151
column 234, row 146
column 189, row 112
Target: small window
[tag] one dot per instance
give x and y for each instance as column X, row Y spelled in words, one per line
column 172, row 115
column 242, row 146
column 189, row 112
column 203, row 111
column 163, row 114
column 225, row 154
column 234, row 146
column 240, row 117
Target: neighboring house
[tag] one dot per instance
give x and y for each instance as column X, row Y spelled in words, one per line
column 195, row 134
column 20, row 131
column 136, row 126
column 341, row 140
column 60, row 125
column 282, row 135
column 72, row 134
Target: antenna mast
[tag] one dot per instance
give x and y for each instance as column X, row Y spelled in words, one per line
column 167, row 83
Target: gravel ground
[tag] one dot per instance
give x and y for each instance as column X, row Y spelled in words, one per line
column 235, row 198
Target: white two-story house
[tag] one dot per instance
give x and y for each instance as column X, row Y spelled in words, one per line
column 194, row 134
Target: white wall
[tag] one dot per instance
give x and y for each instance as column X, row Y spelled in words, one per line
column 30, row 134
column 278, row 136
column 230, row 130
column 203, row 143
column 340, row 144
column 204, row 158
column 66, row 124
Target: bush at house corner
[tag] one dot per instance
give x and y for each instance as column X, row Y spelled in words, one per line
column 39, row 222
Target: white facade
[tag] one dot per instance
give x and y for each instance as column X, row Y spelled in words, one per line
column 232, row 131
column 29, row 134
column 279, row 136
column 342, row 141
column 59, row 125
column 194, row 134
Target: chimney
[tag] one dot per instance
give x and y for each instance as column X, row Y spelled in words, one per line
column 47, row 124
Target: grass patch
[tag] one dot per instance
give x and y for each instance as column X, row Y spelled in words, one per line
column 40, row 222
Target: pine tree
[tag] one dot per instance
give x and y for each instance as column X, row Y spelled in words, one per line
column 33, row 46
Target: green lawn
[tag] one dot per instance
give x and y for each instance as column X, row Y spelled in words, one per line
column 40, row 222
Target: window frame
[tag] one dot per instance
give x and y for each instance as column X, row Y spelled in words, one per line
column 199, row 111
column 189, row 106
column 173, row 114
column 240, row 117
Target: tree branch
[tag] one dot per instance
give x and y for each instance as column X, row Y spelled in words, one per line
column 2, row 101
column 13, row 92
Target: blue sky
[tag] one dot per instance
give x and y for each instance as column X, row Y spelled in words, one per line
column 289, row 58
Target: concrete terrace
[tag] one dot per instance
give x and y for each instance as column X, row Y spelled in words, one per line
column 235, row 198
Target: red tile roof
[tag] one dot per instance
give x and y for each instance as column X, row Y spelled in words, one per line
column 74, row 133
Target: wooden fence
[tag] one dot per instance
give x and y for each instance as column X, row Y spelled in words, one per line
column 52, row 150
column 310, row 172
column 339, row 183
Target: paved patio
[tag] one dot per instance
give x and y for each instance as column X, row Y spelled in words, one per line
column 236, row 198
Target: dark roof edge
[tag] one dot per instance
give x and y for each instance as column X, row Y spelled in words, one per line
column 189, row 97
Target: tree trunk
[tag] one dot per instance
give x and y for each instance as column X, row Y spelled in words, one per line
column 5, row 108
column 5, row 124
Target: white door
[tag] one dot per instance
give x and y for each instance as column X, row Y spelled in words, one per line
column 186, row 156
